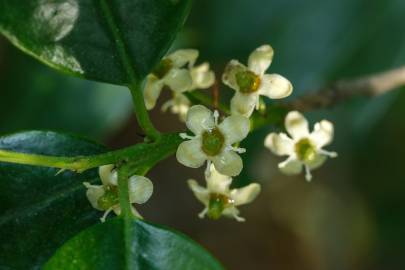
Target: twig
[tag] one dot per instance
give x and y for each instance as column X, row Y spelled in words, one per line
column 368, row 86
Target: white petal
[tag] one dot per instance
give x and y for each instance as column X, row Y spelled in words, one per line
column 291, row 166
column 235, row 128
column 228, row 163
column 317, row 162
column 233, row 212
column 201, row 193
column 183, row 56
column 323, row 133
column 140, row 189
column 152, row 91
column 93, row 193
column 179, row 80
column 199, row 119
column 275, row 86
column 135, row 212
column 246, row 194
column 296, row 125
column 202, row 76
column 190, row 154
column 218, row 183
column 279, row 144
column 243, row 104
column 107, row 175
column 260, row 59
column 228, row 78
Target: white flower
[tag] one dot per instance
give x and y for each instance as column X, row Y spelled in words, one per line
column 213, row 141
column 303, row 148
column 179, row 104
column 250, row 82
column 177, row 71
column 219, row 199
column 202, row 78
column 105, row 197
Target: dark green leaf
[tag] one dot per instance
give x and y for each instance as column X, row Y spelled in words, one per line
column 131, row 244
column 105, row 40
column 38, row 210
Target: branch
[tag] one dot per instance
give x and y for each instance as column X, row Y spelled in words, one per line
column 140, row 156
column 368, row 86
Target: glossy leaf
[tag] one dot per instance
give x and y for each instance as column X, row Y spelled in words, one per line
column 38, row 209
column 105, row 40
column 131, row 244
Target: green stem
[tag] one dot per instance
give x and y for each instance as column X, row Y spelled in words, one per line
column 123, row 192
column 137, row 156
column 141, row 113
column 129, row 67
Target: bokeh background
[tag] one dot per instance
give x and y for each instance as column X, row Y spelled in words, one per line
column 352, row 216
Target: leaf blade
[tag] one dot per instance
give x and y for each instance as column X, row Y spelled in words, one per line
column 153, row 247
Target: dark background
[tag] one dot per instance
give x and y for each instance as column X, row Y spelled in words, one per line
column 352, row 216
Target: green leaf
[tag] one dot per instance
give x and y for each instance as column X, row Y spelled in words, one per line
column 131, row 244
column 38, row 210
column 105, row 40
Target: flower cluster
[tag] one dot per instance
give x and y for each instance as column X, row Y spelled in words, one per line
column 105, row 197
column 177, row 72
column 215, row 141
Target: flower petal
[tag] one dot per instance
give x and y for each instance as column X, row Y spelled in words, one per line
column 94, row 193
column 228, row 163
column 190, row 154
column 183, row 56
column 323, row 133
column 152, row 91
column 275, row 86
column 199, row 119
column 228, row 78
column 179, row 80
column 246, row 194
column 279, row 144
column 296, row 125
column 107, row 175
column 201, row 193
column 235, row 128
column 243, row 104
column 317, row 162
column 140, row 189
column 291, row 166
column 233, row 212
column 202, row 76
column 218, row 183
column 260, row 59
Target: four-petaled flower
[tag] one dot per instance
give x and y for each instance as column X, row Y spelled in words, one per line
column 250, row 82
column 105, row 197
column 303, row 148
column 212, row 141
column 219, row 199
column 177, row 71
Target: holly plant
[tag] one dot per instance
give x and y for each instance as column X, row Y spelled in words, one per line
column 69, row 203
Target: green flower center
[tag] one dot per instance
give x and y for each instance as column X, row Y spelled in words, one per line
column 109, row 199
column 247, row 81
column 305, row 150
column 212, row 142
column 217, row 204
column 163, row 68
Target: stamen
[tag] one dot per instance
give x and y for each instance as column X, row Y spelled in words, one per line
column 60, row 171
column 106, row 214
column 328, row 153
column 239, row 218
column 203, row 213
column 186, row 136
column 88, row 185
column 238, row 150
column 208, row 169
column 216, row 117
column 308, row 175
